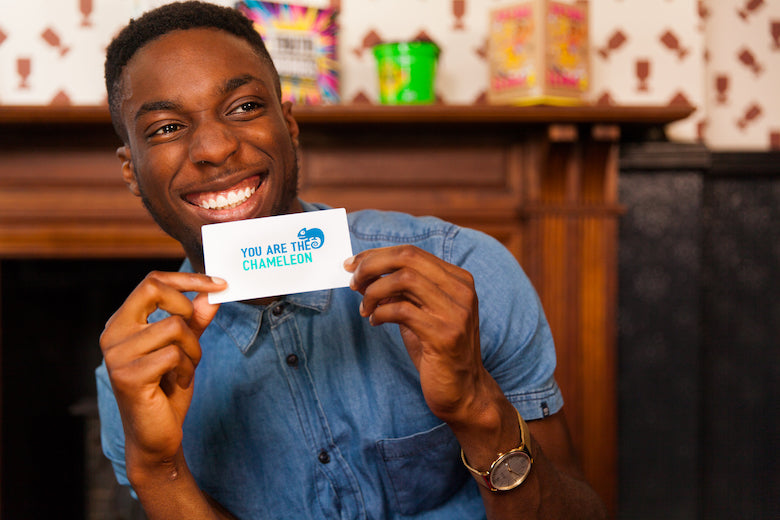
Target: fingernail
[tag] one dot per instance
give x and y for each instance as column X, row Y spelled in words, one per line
column 218, row 280
column 349, row 261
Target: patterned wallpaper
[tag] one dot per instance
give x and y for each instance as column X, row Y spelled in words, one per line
column 723, row 56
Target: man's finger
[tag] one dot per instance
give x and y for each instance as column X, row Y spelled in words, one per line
column 202, row 313
column 371, row 264
column 170, row 331
column 152, row 368
column 164, row 291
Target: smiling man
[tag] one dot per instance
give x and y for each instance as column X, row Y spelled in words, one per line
column 405, row 395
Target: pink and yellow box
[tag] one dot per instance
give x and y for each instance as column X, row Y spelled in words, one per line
column 538, row 53
column 302, row 42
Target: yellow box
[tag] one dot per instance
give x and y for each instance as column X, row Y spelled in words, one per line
column 538, row 53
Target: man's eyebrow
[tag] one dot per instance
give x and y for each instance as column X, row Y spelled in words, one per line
column 227, row 87
column 234, row 83
column 154, row 106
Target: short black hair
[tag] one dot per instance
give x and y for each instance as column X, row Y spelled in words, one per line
column 163, row 20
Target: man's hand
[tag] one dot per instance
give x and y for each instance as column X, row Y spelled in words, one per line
column 435, row 305
column 152, row 366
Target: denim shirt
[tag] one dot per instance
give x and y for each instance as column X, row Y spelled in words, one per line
column 302, row 409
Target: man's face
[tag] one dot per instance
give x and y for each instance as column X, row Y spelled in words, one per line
column 208, row 139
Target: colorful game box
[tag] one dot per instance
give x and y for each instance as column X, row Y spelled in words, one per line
column 302, row 42
column 538, row 53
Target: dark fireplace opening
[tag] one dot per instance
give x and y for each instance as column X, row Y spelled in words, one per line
column 51, row 315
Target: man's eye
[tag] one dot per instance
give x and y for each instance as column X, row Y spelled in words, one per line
column 249, row 106
column 166, row 129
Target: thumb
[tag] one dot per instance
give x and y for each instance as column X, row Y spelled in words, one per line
column 202, row 314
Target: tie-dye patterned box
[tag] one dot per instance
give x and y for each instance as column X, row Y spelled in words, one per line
column 538, row 53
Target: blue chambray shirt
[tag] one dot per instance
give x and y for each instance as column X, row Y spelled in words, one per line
column 302, row 409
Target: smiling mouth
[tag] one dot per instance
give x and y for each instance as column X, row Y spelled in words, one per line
column 225, row 199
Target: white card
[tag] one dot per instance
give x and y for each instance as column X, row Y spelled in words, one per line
column 272, row 256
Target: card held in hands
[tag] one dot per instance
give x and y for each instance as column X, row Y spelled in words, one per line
column 279, row 255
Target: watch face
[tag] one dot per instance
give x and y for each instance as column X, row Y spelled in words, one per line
column 510, row 470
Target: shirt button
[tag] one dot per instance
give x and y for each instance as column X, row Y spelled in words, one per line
column 292, row 360
column 278, row 310
column 323, row 457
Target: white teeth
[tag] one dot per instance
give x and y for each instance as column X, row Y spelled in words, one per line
column 232, row 199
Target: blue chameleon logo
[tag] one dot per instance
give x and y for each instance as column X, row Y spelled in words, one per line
column 314, row 237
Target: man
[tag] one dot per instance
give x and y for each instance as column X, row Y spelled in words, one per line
column 363, row 402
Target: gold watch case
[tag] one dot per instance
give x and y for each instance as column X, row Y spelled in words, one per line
column 510, row 469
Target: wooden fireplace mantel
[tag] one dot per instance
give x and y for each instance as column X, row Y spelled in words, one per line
column 543, row 180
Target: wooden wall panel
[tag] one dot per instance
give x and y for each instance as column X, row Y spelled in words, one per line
column 542, row 180
column 407, row 165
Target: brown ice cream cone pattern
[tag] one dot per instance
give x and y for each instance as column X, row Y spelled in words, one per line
column 51, row 37
column 615, row 41
column 458, row 10
column 85, row 7
column 672, row 42
column 369, row 40
column 722, row 87
column 642, row 73
column 749, row 7
column 752, row 112
column 24, row 69
column 749, row 60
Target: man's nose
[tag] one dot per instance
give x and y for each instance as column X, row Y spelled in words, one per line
column 212, row 142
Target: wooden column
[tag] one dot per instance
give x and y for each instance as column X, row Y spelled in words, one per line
column 571, row 256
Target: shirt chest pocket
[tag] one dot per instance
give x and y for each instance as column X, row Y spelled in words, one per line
column 422, row 470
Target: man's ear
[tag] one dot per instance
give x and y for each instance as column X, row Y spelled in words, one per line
column 124, row 154
column 292, row 124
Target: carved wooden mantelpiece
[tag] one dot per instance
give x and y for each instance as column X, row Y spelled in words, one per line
column 543, row 180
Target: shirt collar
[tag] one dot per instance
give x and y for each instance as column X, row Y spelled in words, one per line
column 241, row 322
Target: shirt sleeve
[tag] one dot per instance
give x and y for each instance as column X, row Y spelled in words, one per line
column 112, row 436
column 516, row 342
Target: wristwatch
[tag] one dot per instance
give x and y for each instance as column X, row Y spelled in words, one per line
column 510, row 469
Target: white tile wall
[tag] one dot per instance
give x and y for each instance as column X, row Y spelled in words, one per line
column 687, row 45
